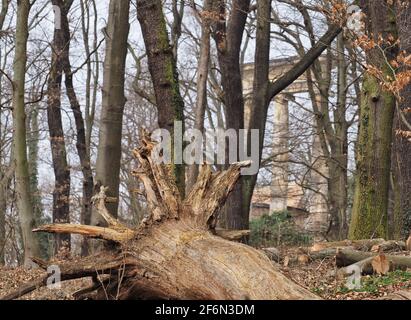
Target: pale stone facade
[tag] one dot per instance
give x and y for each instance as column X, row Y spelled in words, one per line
column 309, row 208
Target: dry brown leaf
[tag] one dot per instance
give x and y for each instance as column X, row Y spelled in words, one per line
column 303, row 259
column 318, row 247
column 375, row 248
column 380, row 264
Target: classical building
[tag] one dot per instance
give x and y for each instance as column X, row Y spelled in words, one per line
column 308, row 208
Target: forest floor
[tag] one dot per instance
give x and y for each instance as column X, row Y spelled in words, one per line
column 318, row 276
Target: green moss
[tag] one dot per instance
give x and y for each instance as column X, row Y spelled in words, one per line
column 369, row 216
column 171, row 79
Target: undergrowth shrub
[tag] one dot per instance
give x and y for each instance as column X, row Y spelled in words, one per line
column 276, row 230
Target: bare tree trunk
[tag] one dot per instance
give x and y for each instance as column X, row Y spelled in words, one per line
column 202, row 76
column 4, row 9
column 24, row 195
column 401, row 155
column 61, row 193
column 369, row 216
column 163, row 71
column 228, row 36
column 110, row 133
column 258, row 115
column 91, row 94
column 33, row 138
column 4, row 178
column 81, row 144
column 338, row 161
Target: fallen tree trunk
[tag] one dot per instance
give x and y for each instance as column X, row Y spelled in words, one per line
column 273, row 254
column 390, row 245
column 364, row 267
column 365, row 244
column 176, row 252
column 399, row 295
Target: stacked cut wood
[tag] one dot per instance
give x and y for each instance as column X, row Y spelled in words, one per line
column 370, row 255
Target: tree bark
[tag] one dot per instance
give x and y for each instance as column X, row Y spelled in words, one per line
column 5, row 180
column 110, row 133
column 228, row 36
column 81, row 143
column 260, row 99
column 202, row 76
column 338, row 162
column 163, row 70
column 4, row 9
column 152, row 260
column 61, row 192
column 362, row 244
column 369, row 215
column 24, row 195
column 401, row 154
column 33, row 138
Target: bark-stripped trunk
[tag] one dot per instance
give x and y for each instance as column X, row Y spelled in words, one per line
column 111, row 119
column 163, row 71
column 369, row 216
column 24, row 196
column 401, row 154
column 61, row 192
column 178, row 235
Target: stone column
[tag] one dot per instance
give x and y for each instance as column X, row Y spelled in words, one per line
column 248, row 104
column 279, row 181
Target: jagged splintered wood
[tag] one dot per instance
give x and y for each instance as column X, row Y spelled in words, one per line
column 176, row 252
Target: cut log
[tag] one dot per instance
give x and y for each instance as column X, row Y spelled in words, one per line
column 346, row 257
column 391, row 245
column 318, row 255
column 175, row 253
column 365, row 244
column 364, row 267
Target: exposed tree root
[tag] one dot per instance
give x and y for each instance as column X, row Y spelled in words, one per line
column 176, row 252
